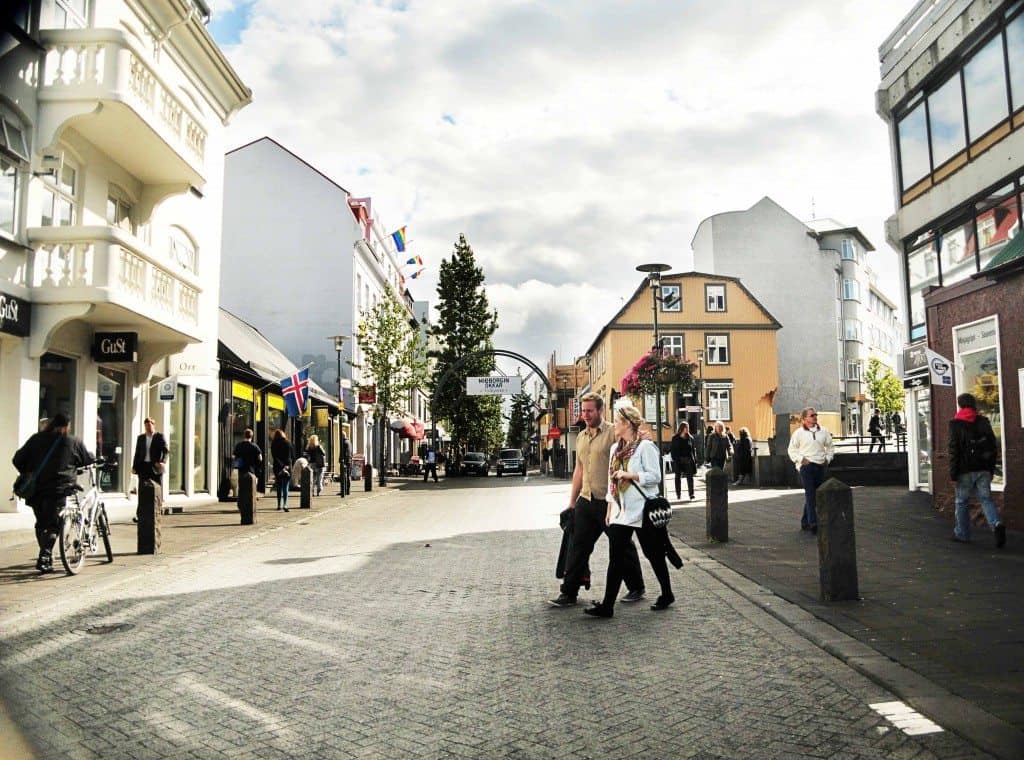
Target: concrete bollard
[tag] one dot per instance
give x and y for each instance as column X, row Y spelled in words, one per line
column 716, row 509
column 306, row 488
column 150, row 503
column 367, row 477
column 247, row 498
column 837, row 545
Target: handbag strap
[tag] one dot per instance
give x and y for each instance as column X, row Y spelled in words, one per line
column 49, row 453
column 646, row 497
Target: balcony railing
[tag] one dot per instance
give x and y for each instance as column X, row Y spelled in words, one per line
column 106, row 64
column 103, row 264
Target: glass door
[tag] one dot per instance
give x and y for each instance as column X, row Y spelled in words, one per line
column 922, row 449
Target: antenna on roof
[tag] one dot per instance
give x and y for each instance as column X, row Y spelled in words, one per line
column 812, row 209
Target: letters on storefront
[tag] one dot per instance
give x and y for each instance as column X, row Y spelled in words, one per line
column 15, row 315
column 115, row 347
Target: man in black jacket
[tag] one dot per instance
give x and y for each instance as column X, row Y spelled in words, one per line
column 972, row 462
column 56, row 454
column 150, row 456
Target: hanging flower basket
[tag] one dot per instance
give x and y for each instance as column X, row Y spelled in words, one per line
column 658, row 370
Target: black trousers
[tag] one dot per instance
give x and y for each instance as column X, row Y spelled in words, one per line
column 679, row 476
column 589, row 525
column 47, row 512
column 430, row 468
column 620, row 540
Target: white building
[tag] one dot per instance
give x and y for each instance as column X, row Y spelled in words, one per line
column 302, row 260
column 112, row 164
column 814, row 278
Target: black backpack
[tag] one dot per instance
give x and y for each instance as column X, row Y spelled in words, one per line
column 980, row 449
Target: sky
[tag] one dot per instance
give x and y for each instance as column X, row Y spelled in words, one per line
column 572, row 140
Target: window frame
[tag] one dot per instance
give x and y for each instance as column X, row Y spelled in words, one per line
column 179, row 238
column 718, row 394
column 677, row 305
column 855, row 289
column 674, row 338
column 53, row 188
column 708, row 337
column 708, row 295
column 999, row 480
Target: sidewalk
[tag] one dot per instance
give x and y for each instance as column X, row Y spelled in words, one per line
column 952, row 613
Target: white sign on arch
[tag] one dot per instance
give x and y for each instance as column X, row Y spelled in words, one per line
column 497, row 385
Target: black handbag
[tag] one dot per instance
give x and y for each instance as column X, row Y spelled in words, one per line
column 25, row 484
column 657, row 510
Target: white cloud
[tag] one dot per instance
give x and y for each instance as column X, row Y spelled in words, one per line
column 582, row 137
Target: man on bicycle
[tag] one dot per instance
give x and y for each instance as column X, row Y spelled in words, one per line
column 56, row 453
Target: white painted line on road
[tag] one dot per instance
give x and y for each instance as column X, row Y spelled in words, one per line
column 269, row 721
column 298, row 641
column 905, row 718
column 304, row 617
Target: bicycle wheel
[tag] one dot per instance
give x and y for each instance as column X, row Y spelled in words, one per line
column 72, row 542
column 104, row 528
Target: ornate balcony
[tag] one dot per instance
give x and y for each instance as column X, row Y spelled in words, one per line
column 101, row 82
column 126, row 283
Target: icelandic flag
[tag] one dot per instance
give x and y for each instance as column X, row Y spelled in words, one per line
column 295, row 390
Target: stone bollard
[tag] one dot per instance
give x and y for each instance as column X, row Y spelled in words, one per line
column 150, row 502
column 367, row 477
column 247, row 498
column 716, row 509
column 837, row 545
column 306, row 488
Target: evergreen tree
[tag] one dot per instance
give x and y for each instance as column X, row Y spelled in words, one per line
column 520, row 420
column 885, row 388
column 465, row 325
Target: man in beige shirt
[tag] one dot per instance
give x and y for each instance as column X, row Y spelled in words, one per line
column 588, row 500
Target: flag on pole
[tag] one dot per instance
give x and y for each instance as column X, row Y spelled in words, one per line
column 295, row 389
column 415, row 260
column 417, row 273
column 399, row 237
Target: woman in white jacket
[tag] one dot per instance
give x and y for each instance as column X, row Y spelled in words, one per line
column 632, row 461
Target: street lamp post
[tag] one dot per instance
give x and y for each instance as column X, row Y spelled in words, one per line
column 653, row 272
column 339, row 347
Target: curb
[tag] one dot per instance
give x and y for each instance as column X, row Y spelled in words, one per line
column 952, row 712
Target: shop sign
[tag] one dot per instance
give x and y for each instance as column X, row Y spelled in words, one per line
column 554, row 434
column 167, row 390
column 976, row 337
column 368, row 395
column 919, row 381
column 106, row 389
column 115, row 347
column 915, row 359
column 15, row 315
column 497, row 385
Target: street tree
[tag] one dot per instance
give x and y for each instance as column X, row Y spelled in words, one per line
column 885, row 388
column 520, row 420
column 465, row 325
column 394, row 361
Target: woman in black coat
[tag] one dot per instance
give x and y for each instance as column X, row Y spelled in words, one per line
column 743, row 457
column 684, row 458
column 282, row 454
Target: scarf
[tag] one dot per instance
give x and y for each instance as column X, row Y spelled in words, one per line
column 623, row 453
column 967, row 415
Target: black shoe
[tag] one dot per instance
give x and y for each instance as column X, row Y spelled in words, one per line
column 633, row 596
column 955, row 538
column 814, row 530
column 804, row 526
column 1000, row 536
column 45, row 562
column 563, row 600
column 663, row 603
column 135, row 519
column 598, row 611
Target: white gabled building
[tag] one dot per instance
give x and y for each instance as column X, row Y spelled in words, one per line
column 111, row 169
column 303, row 259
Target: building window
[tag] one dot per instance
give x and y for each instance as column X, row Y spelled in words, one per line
column 957, row 253
column 913, row 144
column 715, row 295
column 672, row 344
column 719, row 405
column 59, row 198
column 853, row 371
column 111, row 397
column 851, row 290
column 200, row 455
column 119, row 209
column 997, row 222
column 847, row 250
column 922, row 272
column 1015, row 54
column 65, row 14
column 183, row 250
column 717, row 348
column 176, row 442
column 13, row 167
column 976, row 358
column 851, row 329
column 946, row 119
column 671, row 298
column 985, row 86
column 650, row 408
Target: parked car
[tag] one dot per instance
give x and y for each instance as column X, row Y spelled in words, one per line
column 475, row 463
column 511, row 460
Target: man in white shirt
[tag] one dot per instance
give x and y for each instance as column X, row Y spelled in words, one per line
column 811, row 450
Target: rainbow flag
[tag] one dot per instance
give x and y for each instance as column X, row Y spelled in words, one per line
column 415, row 260
column 399, row 237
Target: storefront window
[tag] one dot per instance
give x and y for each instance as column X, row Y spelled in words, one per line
column 56, row 387
column 922, row 411
column 996, row 226
column 111, row 394
column 243, row 415
column 957, row 254
column 176, row 443
column 922, row 271
column 200, row 456
column 913, row 139
column 985, row 83
column 977, row 363
column 276, row 417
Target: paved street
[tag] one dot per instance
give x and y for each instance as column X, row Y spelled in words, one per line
column 412, row 621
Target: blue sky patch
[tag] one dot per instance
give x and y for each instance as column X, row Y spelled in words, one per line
column 227, row 28
column 448, row 118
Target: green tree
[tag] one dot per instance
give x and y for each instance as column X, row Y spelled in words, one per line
column 465, row 325
column 520, row 420
column 395, row 359
column 885, row 388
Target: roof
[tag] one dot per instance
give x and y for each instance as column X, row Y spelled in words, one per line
column 670, row 277
column 1011, row 252
column 290, row 153
column 830, row 226
column 258, row 355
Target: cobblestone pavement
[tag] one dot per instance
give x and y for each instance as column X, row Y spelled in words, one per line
column 413, row 622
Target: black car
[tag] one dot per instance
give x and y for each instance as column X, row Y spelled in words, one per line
column 511, row 460
column 475, row 463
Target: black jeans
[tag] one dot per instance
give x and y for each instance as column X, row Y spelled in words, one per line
column 653, row 545
column 588, row 527
column 677, row 468
column 430, row 468
column 47, row 512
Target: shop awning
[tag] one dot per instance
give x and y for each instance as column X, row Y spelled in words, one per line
column 1011, row 251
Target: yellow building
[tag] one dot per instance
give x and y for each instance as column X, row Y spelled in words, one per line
column 711, row 320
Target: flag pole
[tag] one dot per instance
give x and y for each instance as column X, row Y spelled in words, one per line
column 278, row 382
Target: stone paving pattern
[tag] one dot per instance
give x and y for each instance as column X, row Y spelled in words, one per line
column 343, row 634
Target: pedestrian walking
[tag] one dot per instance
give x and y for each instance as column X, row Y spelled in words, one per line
column 682, row 449
column 247, row 455
column 545, row 461
column 282, row 455
column 717, row 446
column 634, row 475
column 811, row 449
column 317, row 458
column 150, row 457
column 589, row 498
column 430, row 464
column 345, row 466
column 973, row 452
column 743, row 458
column 51, row 457
column 875, row 429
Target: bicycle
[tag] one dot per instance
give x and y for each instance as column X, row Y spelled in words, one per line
column 82, row 521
